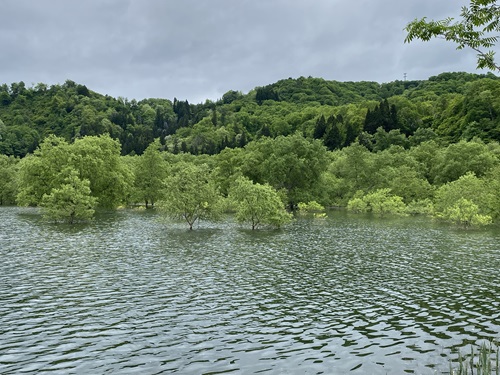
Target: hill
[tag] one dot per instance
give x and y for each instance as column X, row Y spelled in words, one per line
column 449, row 107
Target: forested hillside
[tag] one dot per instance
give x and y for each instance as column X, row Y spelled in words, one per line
column 451, row 107
column 405, row 147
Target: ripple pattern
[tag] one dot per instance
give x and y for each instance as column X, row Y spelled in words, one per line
column 128, row 294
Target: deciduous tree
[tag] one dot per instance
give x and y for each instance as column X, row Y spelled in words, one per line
column 150, row 172
column 71, row 201
column 258, row 204
column 465, row 213
column 292, row 163
column 191, row 194
column 8, row 172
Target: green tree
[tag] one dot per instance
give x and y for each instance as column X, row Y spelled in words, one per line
column 383, row 115
column 405, row 182
column 381, row 202
column 465, row 213
column 333, row 138
column 228, row 168
column 71, row 202
column 357, row 205
column 462, row 157
column 258, row 204
column 291, row 163
column 355, row 165
column 150, row 172
column 97, row 159
column 18, row 140
column 312, row 206
column 191, row 194
column 475, row 30
column 320, row 128
column 8, row 172
column 40, row 173
column 471, row 188
column 492, row 182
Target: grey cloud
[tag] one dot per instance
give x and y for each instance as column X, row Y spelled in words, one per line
column 198, row 50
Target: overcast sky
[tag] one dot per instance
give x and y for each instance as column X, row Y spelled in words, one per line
column 200, row 49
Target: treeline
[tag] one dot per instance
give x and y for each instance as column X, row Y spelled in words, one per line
column 405, row 147
column 449, row 108
column 458, row 182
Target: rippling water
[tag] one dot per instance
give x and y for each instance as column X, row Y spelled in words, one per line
column 129, row 294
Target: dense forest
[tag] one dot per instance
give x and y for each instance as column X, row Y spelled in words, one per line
column 406, row 146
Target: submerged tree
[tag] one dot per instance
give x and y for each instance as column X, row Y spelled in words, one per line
column 96, row 159
column 381, row 202
column 41, row 172
column 191, row 194
column 470, row 190
column 70, row 202
column 258, row 204
column 465, row 213
column 8, row 171
column 150, row 171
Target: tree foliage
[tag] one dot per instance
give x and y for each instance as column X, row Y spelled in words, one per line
column 95, row 158
column 291, row 163
column 452, row 105
column 465, row 213
column 71, row 201
column 476, row 30
column 381, row 202
column 258, row 204
column 309, row 139
column 191, row 194
column 41, row 172
column 8, row 174
column 470, row 188
column 149, row 175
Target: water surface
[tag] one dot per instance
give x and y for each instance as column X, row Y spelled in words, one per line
column 130, row 294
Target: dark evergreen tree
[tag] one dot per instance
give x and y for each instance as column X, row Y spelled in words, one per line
column 183, row 111
column 158, row 124
column 266, row 93
column 176, row 146
column 320, row 128
column 333, row 137
column 371, row 121
column 82, row 90
column 184, row 147
column 214, row 117
column 350, row 134
column 265, row 131
column 243, row 140
column 384, row 115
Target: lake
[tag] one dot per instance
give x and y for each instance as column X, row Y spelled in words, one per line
column 129, row 293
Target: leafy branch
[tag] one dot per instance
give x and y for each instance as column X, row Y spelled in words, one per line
column 475, row 30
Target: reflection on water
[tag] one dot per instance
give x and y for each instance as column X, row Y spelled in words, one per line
column 350, row 294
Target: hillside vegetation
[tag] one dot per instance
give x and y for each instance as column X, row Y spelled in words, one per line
column 403, row 147
column 451, row 107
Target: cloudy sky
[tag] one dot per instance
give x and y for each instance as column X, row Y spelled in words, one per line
column 200, row 49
